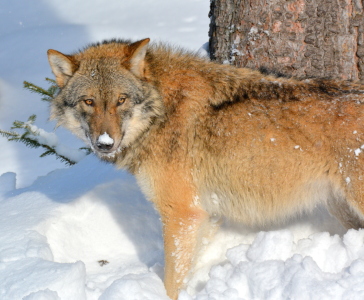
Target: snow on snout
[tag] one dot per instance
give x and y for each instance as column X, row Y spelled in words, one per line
column 105, row 139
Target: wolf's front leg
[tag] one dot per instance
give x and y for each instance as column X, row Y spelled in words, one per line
column 183, row 231
column 185, row 222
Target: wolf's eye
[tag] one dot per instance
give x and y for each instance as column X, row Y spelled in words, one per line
column 121, row 100
column 89, row 102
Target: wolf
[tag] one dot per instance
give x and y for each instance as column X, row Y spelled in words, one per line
column 208, row 141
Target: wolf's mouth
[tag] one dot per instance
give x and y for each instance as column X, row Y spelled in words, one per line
column 107, row 153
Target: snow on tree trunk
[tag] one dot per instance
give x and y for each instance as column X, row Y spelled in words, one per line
column 303, row 38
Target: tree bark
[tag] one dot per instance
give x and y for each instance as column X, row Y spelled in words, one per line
column 302, row 38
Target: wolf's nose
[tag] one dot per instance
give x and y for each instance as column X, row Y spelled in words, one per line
column 104, row 142
column 104, row 147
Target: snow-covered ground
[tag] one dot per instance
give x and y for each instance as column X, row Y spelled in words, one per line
column 86, row 232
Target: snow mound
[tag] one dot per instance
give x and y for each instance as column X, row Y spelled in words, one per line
column 147, row 286
column 29, row 278
column 43, row 295
column 275, row 267
column 75, row 232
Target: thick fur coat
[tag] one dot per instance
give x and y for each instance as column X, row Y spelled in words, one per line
column 207, row 141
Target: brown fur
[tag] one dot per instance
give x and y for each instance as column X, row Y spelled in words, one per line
column 207, row 140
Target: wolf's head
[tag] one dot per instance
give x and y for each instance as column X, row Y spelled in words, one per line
column 106, row 97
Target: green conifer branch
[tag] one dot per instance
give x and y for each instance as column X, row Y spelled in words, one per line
column 29, row 136
column 48, row 94
column 29, row 139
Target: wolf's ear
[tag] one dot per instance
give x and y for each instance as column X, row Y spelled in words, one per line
column 138, row 51
column 63, row 66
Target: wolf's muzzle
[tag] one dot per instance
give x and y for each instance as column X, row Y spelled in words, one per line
column 104, row 147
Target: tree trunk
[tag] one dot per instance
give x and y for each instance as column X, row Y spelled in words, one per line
column 302, row 38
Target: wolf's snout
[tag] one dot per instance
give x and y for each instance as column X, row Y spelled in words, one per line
column 104, row 142
column 104, row 147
